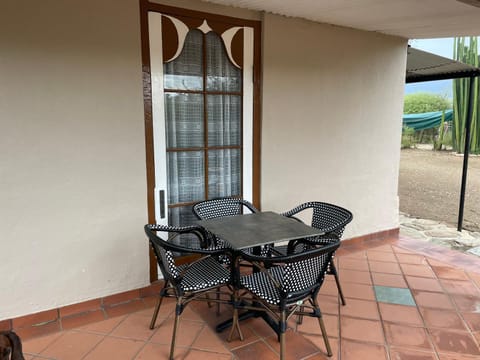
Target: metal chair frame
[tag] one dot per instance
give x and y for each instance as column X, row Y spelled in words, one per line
column 220, row 207
column 308, row 267
column 180, row 280
column 330, row 218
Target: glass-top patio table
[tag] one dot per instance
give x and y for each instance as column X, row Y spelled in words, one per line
column 253, row 231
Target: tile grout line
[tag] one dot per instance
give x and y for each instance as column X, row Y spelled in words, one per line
column 426, row 329
column 48, row 345
column 457, row 309
column 386, row 345
column 372, row 285
column 105, row 336
column 147, row 341
column 477, row 285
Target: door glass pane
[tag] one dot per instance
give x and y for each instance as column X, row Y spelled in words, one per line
column 184, row 120
column 186, row 71
column 183, row 216
column 185, row 176
column 224, row 173
column 222, row 75
column 224, row 114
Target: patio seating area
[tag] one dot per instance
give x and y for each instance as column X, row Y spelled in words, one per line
column 125, row 113
column 405, row 299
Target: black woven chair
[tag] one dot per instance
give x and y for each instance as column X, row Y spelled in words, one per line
column 189, row 281
column 328, row 217
column 285, row 286
column 222, row 207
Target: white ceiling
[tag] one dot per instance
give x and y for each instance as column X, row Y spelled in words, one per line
column 412, row 19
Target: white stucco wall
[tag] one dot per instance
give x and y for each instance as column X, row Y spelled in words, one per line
column 72, row 168
column 72, row 163
column 332, row 107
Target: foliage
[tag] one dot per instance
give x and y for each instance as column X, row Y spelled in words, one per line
column 408, row 138
column 447, row 139
column 442, row 139
column 461, row 94
column 423, row 102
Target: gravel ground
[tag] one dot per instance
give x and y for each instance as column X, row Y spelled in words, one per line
column 429, row 187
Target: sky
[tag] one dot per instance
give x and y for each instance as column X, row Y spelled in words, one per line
column 442, row 47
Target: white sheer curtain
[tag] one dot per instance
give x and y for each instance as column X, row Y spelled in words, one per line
column 185, row 109
column 184, row 128
column 186, row 71
column 224, row 113
column 222, row 75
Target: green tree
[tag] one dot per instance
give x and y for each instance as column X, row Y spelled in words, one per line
column 423, row 102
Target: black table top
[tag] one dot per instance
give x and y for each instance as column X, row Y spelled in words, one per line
column 244, row 231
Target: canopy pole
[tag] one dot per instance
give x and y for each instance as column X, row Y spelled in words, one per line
column 466, row 153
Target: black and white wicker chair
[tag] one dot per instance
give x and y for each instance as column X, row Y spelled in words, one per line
column 189, row 281
column 330, row 218
column 223, row 207
column 286, row 285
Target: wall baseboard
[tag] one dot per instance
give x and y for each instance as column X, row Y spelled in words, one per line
column 83, row 313
column 377, row 236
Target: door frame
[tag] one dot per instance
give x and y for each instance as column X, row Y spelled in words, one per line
column 145, row 7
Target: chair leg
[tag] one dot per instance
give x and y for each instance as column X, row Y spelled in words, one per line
column 235, row 326
column 333, row 270
column 178, row 312
column 209, row 303
column 324, row 334
column 300, row 317
column 323, row 329
column 155, row 312
column 235, row 321
column 283, row 329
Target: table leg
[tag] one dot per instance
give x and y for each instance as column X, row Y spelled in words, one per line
column 248, row 315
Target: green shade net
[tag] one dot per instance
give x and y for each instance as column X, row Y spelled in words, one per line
column 426, row 120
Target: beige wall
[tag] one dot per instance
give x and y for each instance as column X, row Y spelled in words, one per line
column 72, row 164
column 332, row 107
column 73, row 184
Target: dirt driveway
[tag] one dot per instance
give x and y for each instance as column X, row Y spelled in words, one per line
column 429, row 187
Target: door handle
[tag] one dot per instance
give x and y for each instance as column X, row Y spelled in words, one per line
column 161, row 199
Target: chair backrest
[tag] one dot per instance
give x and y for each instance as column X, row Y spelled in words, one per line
column 303, row 272
column 221, row 207
column 325, row 216
column 301, row 275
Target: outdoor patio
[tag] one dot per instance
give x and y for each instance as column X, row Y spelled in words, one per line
column 440, row 320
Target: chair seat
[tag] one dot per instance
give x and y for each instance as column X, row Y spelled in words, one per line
column 260, row 284
column 287, row 285
column 204, row 274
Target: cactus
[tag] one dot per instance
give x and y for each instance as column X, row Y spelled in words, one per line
column 469, row 55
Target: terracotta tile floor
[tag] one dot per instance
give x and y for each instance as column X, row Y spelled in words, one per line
column 444, row 323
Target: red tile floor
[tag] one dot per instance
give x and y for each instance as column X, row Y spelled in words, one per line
column 442, row 322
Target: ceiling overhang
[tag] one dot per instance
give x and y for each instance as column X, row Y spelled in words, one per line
column 425, row 66
column 411, row 19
